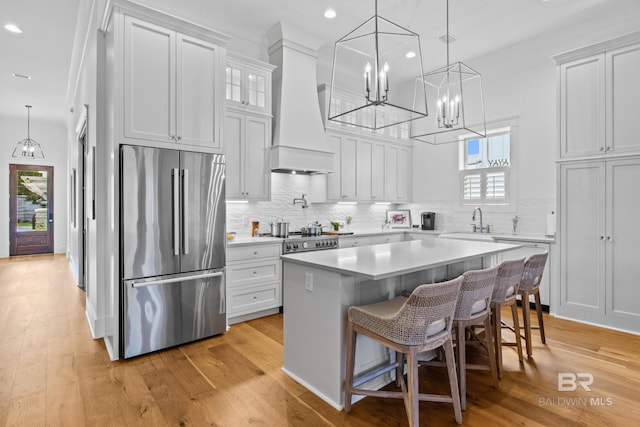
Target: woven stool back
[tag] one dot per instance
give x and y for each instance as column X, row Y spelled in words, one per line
column 426, row 304
column 477, row 285
column 533, row 269
column 509, row 275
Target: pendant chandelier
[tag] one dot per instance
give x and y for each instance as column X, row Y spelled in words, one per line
column 459, row 109
column 28, row 148
column 373, row 57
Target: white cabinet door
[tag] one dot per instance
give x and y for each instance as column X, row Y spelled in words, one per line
column 342, row 184
column 149, row 81
column 234, row 135
column 197, row 94
column 391, row 173
column 348, row 168
column 248, row 139
column 370, row 171
column 248, row 87
column 257, row 175
column 623, row 99
column 334, row 190
column 582, row 261
column 404, row 171
column 582, row 101
column 622, row 238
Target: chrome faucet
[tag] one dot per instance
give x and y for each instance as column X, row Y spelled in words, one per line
column 473, row 218
column 301, row 200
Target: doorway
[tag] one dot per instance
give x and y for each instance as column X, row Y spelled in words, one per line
column 82, row 232
column 30, row 209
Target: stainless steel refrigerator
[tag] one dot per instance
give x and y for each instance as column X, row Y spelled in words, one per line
column 172, row 246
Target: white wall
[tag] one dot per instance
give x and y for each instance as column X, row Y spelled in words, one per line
column 52, row 137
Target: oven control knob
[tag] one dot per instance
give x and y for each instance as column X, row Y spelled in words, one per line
column 305, row 245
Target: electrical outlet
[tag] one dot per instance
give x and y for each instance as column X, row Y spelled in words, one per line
column 308, row 282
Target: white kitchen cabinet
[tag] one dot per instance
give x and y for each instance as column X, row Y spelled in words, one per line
column 254, row 287
column 599, row 240
column 582, row 103
column 248, row 84
column 599, row 95
column 397, row 172
column 353, row 241
column 623, row 99
column 342, row 184
column 527, row 249
column 371, row 173
column 171, row 85
column 345, row 100
column 248, row 140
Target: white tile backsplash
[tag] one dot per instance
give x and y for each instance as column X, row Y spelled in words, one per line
column 367, row 216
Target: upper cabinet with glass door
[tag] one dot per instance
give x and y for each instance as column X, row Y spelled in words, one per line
column 248, row 84
column 358, row 121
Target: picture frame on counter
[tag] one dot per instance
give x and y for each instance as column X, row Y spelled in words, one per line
column 400, row 218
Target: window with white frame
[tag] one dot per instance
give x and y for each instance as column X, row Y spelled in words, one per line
column 485, row 169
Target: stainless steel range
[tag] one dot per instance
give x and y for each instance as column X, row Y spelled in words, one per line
column 299, row 243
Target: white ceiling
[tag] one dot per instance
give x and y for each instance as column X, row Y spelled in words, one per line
column 480, row 26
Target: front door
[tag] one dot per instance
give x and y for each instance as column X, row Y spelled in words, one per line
column 31, row 209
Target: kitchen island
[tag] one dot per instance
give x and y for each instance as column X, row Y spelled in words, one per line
column 320, row 286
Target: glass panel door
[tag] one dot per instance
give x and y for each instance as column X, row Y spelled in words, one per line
column 31, row 209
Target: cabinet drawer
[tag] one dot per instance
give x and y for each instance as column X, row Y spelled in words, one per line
column 253, row 273
column 376, row 240
column 247, row 253
column 252, row 299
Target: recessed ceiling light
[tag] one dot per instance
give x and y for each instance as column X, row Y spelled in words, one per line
column 410, row 54
column 329, row 13
column 13, row 28
column 22, row 76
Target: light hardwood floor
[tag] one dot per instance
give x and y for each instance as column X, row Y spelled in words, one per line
column 52, row 373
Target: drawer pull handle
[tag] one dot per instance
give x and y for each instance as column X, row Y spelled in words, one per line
column 255, row 253
column 255, row 273
column 255, row 298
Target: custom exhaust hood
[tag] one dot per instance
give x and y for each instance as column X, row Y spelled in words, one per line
column 299, row 140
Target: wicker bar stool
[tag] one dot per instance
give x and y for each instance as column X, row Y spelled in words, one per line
column 530, row 285
column 504, row 294
column 409, row 326
column 474, row 309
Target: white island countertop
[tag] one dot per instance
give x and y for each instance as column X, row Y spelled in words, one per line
column 393, row 259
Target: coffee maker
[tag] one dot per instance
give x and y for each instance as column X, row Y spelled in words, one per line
column 428, row 220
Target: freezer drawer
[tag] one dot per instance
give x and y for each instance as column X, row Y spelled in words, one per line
column 172, row 310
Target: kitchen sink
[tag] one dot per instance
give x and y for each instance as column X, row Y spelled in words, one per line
column 461, row 235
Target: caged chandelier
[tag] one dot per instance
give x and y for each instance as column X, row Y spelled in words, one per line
column 459, row 106
column 374, row 56
column 28, row 148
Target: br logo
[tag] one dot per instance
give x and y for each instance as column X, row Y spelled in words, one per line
column 568, row 381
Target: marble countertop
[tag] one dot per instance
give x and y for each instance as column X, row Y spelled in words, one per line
column 392, row 259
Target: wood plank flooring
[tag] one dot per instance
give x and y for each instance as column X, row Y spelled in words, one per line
column 53, row 373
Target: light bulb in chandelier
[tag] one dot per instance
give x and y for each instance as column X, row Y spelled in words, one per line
column 381, row 84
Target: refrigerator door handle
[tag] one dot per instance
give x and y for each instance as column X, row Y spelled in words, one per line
column 176, row 211
column 185, row 211
column 142, row 284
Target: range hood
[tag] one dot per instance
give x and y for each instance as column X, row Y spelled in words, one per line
column 299, row 140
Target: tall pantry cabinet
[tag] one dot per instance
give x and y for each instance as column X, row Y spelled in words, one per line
column 599, row 170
